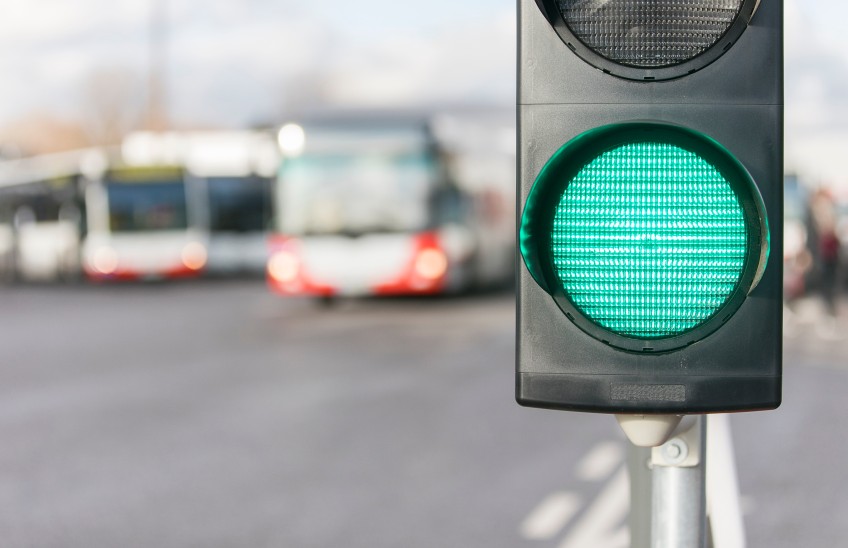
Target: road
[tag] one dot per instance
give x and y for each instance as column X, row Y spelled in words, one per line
column 213, row 414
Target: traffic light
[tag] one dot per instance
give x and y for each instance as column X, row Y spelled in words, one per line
column 650, row 203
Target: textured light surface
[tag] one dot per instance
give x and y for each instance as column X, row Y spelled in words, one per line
column 649, row 33
column 649, row 240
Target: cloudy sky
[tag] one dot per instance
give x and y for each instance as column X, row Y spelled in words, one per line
column 236, row 62
column 816, row 90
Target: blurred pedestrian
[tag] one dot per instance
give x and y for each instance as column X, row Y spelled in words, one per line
column 829, row 254
column 823, row 217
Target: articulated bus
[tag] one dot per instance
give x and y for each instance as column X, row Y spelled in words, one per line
column 141, row 226
column 184, row 204
column 228, row 176
column 372, row 206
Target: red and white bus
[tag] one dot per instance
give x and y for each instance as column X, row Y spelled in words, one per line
column 140, row 226
column 373, row 206
column 182, row 204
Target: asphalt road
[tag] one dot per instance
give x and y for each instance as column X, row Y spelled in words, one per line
column 216, row 415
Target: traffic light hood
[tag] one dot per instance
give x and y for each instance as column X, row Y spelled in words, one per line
column 657, row 40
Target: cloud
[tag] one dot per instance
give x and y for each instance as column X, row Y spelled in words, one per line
column 232, row 71
column 234, row 62
column 32, row 26
column 50, row 46
column 456, row 64
column 816, row 96
column 816, row 75
column 256, row 67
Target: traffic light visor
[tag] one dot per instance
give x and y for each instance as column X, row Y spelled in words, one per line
column 649, row 236
column 628, row 37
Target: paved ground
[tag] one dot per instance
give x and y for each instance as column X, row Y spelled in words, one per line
column 216, row 415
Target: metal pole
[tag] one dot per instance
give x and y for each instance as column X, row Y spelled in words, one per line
column 678, row 505
column 668, row 503
column 639, row 468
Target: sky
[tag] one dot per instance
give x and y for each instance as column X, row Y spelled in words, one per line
column 816, row 91
column 231, row 63
column 234, row 62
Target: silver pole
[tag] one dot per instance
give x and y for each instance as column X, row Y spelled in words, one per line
column 639, row 468
column 678, row 505
column 667, row 465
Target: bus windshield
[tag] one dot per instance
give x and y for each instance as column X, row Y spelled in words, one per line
column 143, row 206
column 356, row 193
column 239, row 204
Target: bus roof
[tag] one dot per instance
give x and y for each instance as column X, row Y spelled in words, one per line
column 204, row 153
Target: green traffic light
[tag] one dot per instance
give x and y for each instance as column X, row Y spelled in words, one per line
column 648, row 236
column 649, row 240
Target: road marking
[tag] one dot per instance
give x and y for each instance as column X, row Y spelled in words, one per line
column 550, row 516
column 722, row 484
column 600, row 527
column 600, row 462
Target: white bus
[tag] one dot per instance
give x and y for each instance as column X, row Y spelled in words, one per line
column 140, row 226
column 40, row 231
column 41, row 221
column 229, row 176
column 376, row 206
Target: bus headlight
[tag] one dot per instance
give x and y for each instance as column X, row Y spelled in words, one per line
column 431, row 264
column 194, row 256
column 105, row 260
column 284, row 266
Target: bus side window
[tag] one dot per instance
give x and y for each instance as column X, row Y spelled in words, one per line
column 451, row 205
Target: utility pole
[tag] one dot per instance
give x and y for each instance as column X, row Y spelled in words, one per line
column 157, row 111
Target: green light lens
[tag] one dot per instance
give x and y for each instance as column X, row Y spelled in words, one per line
column 649, row 240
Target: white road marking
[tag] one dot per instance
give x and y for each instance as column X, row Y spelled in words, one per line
column 723, row 501
column 550, row 516
column 600, row 526
column 600, row 462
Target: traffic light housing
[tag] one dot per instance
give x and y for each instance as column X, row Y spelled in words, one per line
column 650, row 204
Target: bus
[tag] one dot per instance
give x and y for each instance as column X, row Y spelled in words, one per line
column 40, row 230
column 228, row 177
column 41, row 218
column 370, row 205
column 238, row 218
column 140, row 225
